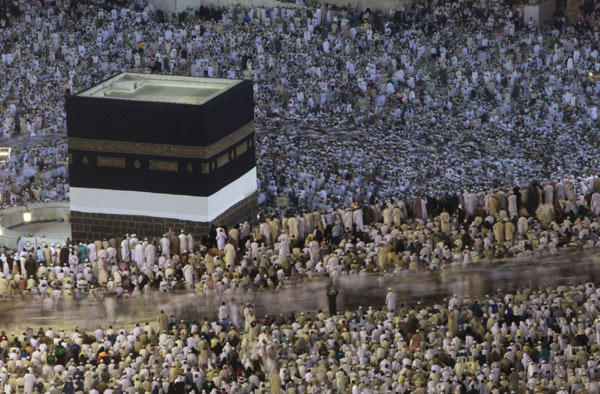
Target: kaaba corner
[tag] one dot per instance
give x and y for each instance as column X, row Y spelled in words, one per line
column 148, row 152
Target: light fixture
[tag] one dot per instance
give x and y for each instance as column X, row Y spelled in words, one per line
column 26, row 216
column 4, row 154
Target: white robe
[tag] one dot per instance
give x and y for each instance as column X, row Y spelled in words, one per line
column 139, row 256
column 522, row 225
column 512, row 205
column 112, row 254
column 387, row 217
column 221, row 238
column 549, row 194
column 92, row 255
column 165, row 245
column 390, row 301
column 595, row 204
column 265, row 232
column 348, row 218
column 182, row 243
column 284, row 249
column 294, row 227
column 314, row 251
column 188, row 274
column 254, row 247
column 150, row 254
column 190, row 242
column 358, row 219
column 234, row 314
column 125, row 251
column 470, row 202
column 29, row 381
column 230, row 253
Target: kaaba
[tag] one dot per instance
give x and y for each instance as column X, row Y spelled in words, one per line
column 148, row 152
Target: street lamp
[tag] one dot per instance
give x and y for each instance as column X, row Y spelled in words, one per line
column 27, row 215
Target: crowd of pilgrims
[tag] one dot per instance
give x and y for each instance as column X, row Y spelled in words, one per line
column 393, row 238
column 387, row 144
column 541, row 340
column 445, row 96
column 419, row 153
column 34, row 174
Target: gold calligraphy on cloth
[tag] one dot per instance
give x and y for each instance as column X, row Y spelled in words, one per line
column 163, row 165
column 110, row 161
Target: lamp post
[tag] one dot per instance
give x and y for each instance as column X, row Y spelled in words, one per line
column 26, row 216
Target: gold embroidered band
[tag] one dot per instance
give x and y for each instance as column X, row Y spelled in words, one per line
column 141, row 148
